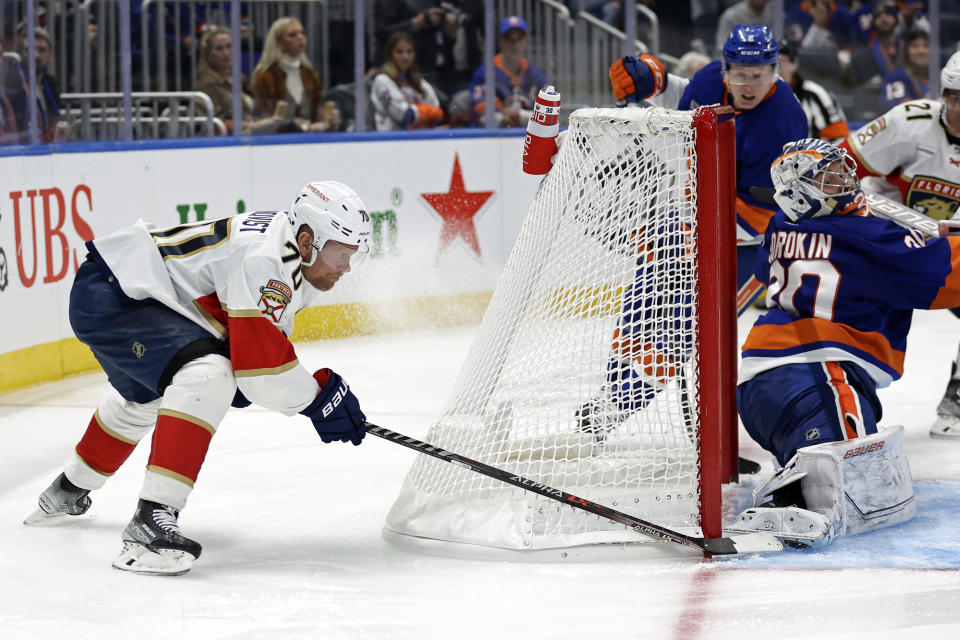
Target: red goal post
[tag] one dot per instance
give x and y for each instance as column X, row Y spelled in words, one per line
column 717, row 279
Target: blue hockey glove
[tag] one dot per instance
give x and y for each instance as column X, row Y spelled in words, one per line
column 635, row 79
column 335, row 412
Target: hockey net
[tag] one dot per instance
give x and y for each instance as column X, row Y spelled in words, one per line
column 610, row 307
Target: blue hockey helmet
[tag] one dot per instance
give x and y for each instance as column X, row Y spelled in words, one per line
column 751, row 44
column 812, row 178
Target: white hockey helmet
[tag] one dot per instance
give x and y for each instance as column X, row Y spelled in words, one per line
column 333, row 211
column 950, row 74
column 803, row 170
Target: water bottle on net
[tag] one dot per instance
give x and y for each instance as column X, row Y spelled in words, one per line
column 540, row 143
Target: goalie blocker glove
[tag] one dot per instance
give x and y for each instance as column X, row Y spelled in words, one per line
column 335, row 412
column 634, row 79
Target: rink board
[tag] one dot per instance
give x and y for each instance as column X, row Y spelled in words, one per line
column 432, row 264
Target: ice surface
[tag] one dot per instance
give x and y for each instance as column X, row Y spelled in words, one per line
column 293, row 549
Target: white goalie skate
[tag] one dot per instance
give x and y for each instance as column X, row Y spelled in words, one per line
column 795, row 527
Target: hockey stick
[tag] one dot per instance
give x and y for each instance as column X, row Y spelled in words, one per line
column 910, row 218
column 746, row 543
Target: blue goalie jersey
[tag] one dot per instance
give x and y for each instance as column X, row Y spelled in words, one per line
column 843, row 288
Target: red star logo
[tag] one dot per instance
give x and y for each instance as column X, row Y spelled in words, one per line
column 457, row 208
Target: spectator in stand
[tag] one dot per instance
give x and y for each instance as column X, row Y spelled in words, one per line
column 434, row 31
column 909, row 82
column 8, row 120
column 51, row 126
column 689, row 63
column 884, row 49
column 825, row 116
column 215, row 78
column 705, row 15
column 744, row 12
column 820, row 24
column 517, row 82
column 286, row 84
column 401, row 98
column 912, row 16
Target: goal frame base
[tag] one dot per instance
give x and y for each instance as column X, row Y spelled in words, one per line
column 587, row 553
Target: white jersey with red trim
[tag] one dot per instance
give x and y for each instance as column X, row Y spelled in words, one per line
column 238, row 277
column 909, row 147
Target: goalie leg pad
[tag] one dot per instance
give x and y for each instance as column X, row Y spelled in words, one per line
column 854, row 485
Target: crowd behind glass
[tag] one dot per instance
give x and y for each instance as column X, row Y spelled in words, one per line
column 423, row 62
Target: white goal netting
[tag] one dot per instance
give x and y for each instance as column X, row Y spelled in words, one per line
column 584, row 374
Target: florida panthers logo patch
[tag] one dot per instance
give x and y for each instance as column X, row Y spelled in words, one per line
column 274, row 298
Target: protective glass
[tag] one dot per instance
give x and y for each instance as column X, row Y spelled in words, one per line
column 339, row 256
column 952, row 100
column 745, row 77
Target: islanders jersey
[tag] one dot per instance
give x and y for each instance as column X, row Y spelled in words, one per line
column 240, row 278
column 910, row 148
column 761, row 134
column 519, row 91
column 843, row 288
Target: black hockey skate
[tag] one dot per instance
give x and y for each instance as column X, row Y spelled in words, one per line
column 599, row 416
column 62, row 498
column 153, row 543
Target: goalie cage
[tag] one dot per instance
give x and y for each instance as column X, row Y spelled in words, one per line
column 637, row 214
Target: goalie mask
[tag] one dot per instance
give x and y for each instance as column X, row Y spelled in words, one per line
column 333, row 211
column 813, row 178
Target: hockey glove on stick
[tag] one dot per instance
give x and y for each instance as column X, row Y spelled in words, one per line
column 335, row 412
column 635, row 79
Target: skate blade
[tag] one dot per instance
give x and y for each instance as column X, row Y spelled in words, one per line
column 137, row 558
column 41, row 517
column 946, row 428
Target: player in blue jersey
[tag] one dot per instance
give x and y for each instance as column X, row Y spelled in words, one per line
column 842, row 285
column 768, row 116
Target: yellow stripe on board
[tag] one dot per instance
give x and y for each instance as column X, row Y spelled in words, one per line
column 55, row 360
column 581, row 302
column 44, row 362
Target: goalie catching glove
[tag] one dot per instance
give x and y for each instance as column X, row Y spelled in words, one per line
column 335, row 412
column 634, row 79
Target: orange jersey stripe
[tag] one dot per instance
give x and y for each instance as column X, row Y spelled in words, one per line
column 810, row 331
column 757, row 217
column 651, row 360
column 949, row 295
column 848, row 405
column 747, row 292
column 835, row 130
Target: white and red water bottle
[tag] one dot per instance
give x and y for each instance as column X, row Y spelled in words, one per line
column 540, row 143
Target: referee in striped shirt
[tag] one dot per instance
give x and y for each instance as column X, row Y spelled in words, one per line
column 824, row 114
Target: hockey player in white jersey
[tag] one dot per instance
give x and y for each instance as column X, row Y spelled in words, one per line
column 187, row 321
column 912, row 153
